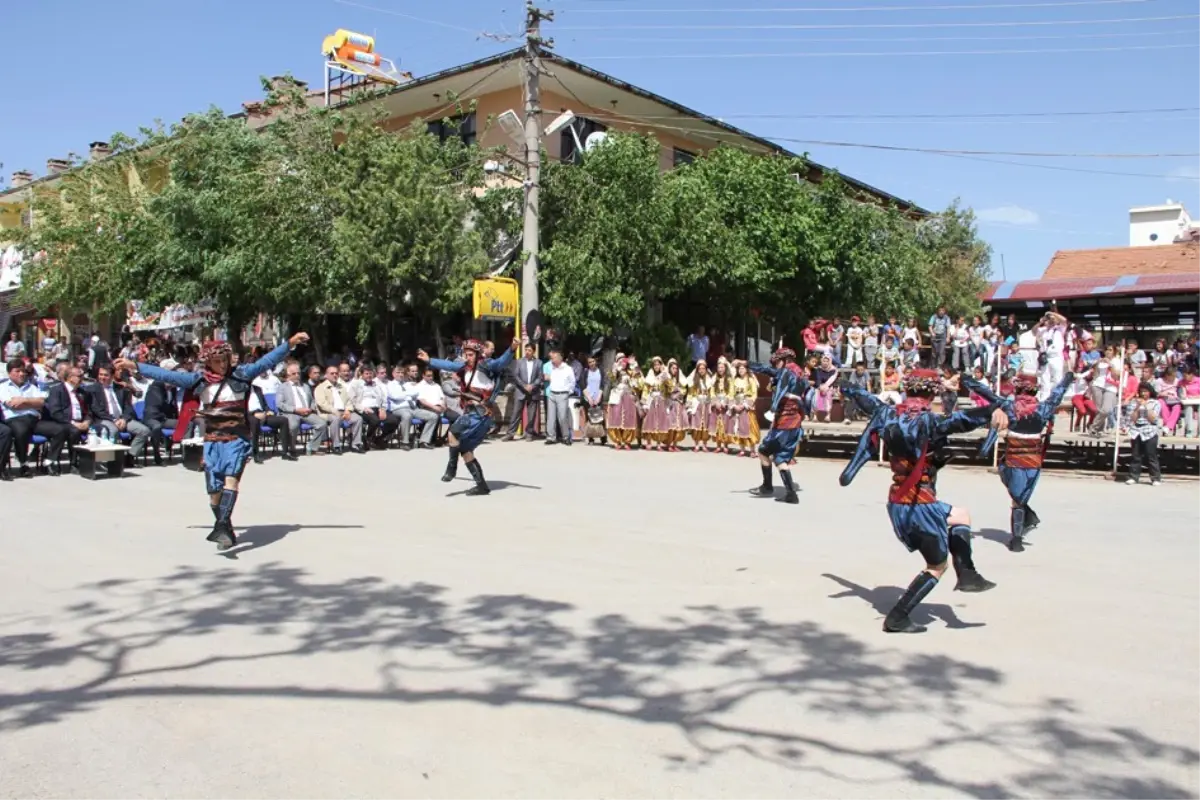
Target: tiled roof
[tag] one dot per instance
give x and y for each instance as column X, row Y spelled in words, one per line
column 1158, row 260
column 1111, row 286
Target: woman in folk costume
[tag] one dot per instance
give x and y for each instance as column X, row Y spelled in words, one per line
column 916, row 439
column 478, row 376
column 223, row 392
column 622, row 417
column 654, row 401
column 743, row 421
column 699, row 398
column 1028, row 425
column 722, row 396
column 676, row 394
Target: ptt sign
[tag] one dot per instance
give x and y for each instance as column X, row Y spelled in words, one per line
column 496, row 299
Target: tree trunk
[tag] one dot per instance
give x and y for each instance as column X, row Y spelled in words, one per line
column 383, row 349
column 435, row 322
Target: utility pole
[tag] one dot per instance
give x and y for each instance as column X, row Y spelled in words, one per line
column 533, row 153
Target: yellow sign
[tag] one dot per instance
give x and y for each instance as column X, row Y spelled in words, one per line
column 496, row 299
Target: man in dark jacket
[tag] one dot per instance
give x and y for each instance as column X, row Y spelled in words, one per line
column 161, row 410
column 111, row 409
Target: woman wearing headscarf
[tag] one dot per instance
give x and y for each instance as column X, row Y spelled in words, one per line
column 699, row 400
column 743, row 422
column 654, row 401
column 622, row 417
column 676, row 393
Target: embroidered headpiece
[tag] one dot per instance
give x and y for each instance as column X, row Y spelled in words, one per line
column 1025, row 384
column 211, row 349
column 784, row 353
column 474, row 345
column 922, row 382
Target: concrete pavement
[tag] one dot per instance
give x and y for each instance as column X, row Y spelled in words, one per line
column 603, row 625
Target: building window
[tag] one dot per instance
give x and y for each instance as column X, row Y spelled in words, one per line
column 682, row 157
column 583, row 128
column 462, row 127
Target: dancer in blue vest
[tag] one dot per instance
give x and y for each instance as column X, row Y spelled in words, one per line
column 223, row 391
column 1027, row 426
column 479, row 377
column 915, row 438
column 788, row 407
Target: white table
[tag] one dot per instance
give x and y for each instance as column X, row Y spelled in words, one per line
column 107, row 454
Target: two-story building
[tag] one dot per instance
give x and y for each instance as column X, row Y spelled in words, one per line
column 599, row 103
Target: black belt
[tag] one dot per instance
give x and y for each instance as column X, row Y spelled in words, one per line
column 563, row 392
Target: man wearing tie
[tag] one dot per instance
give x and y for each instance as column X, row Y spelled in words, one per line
column 528, row 380
column 295, row 402
column 65, row 404
column 112, row 411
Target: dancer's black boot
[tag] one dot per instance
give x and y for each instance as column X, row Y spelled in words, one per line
column 222, row 533
column 969, row 579
column 480, row 486
column 789, row 487
column 451, row 465
column 897, row 620
column 1015, row 544
column 766, row 490
column 1032, row 520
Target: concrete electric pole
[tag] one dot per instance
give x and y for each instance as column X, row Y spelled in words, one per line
column 533, row 155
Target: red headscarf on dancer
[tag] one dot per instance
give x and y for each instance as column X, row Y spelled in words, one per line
column 210, row 351
column 784, row 353
column 1025, row 390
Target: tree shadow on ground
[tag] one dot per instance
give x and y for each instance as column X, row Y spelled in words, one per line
column 708, row 672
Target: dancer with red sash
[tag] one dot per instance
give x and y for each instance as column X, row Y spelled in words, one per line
column 478, row 376
column 1027, row 426
column 222, row 391
column 916, row 438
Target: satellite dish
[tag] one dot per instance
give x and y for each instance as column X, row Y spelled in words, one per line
column 594, row 140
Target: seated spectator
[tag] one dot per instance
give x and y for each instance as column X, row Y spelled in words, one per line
column 67, row 406
column 979, row 400
column 260, row 414
column 825, row 381
column 368, row 397
column 402, row 401
column 889, row 386
column 22, row 403
column 1189, row 394
column 295, row 402
column 111, row 409
column 1167, row 388
column 910, row 357
column 161, row 409
column 431, row 404
column 333, row 402
column 861, row 379
column 452, row 390
column 1083, row 403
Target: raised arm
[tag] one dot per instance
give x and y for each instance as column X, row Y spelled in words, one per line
column 963, row 421
column 1049, row 407
column 763, row 369
column 868, row 402
column 248, row 372
column 184, row 380
column 497, row 365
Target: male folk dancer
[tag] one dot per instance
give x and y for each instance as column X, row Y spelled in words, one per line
column 1028, row 425
column 223, row 393
column 915, row 438
column 787, row 418
column 478, row 376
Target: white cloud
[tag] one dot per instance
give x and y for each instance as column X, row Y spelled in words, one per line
column 1189, row 173
column 1009, row 215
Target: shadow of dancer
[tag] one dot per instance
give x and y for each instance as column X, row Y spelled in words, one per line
column 1001, row 537
column 497, row 486
column 256, row 537
column 883, row 598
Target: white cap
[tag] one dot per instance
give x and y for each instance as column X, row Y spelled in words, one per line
column 168, row 363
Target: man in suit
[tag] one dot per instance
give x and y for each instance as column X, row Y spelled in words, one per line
column 261, row 414
column 111, row 410
column 295, row 403
column 528, row 379
column 161, row 409
column 333, row 401
column 66, row 404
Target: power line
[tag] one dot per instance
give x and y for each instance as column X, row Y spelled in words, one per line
column 984, row 115
column 716, row 136
column 882, row 40
column 892, row 53
column 884, row 25
column 1058, row 168
column 471, row 31
column 852, row 9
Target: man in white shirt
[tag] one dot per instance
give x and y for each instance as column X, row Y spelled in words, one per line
column 431, row 402
column 558, row 412
column 369, row 398
column 402, row 401
column 21, row 402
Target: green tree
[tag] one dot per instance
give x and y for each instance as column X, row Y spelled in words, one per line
column 610, row 238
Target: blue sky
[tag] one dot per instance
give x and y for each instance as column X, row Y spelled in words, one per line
column 80, row 71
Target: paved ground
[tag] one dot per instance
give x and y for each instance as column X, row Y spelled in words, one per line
column 604, row 625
